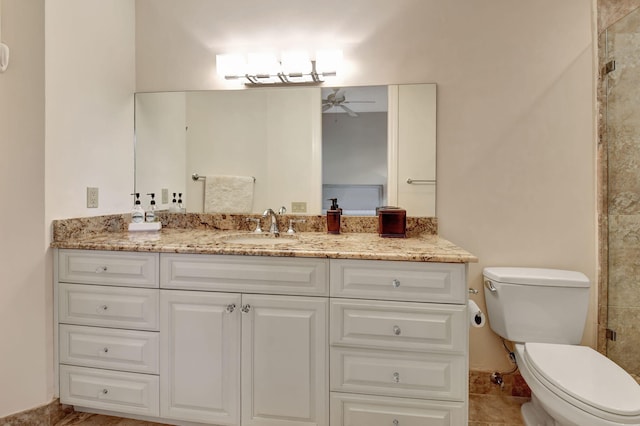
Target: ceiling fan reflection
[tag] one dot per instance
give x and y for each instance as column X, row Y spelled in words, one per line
column 338, row 99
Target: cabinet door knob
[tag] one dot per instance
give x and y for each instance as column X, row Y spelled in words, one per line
column 106, row 350
column 395, row 283
column 246, row 308
column 105, row 391
column 396, row 377
column 395, row 422
column 103, row 308
column 231, row 307
column 101, row 269
column 396, row 330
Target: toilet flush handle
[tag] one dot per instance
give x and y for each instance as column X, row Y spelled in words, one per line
column 489, row 285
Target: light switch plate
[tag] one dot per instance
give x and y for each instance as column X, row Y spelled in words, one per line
column 92, row 198
column 165, row 196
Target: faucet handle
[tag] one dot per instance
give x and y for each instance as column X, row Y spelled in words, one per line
column 282, row 210
column 258, row 229
column 291, row 222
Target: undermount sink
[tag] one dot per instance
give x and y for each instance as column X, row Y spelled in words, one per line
column 266, row 239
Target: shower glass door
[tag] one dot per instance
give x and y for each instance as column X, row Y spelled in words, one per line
column 621, row 43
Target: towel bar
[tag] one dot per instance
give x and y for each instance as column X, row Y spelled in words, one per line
column 410, row 181
column 196, row 177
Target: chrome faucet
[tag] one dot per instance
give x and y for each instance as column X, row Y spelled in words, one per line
column 274, row 222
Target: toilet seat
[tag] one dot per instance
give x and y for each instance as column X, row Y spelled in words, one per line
column 586, row 379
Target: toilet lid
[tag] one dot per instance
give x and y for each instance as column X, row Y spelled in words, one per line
column 587, row 376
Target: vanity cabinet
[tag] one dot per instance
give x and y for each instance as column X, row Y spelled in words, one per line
column 278, row 342
column 262, row 341
column 398, row 336
column 244, row 358
column 108, row 330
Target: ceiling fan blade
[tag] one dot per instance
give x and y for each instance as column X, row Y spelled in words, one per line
column 348, row 111
column 326, row 107
column 359, row 102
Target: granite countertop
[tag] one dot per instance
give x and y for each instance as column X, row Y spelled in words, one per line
column 425, row 247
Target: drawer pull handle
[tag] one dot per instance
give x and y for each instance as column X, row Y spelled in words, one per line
column 231, row 307
column 103, row 308
column 101, row 269
column 105, row 350
column 396, row 377
column 395, row 422
column 105, row 391
column 396, row 330
column 395, row 283
column 246, row 308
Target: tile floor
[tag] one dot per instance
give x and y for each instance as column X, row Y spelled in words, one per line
column 498, row 409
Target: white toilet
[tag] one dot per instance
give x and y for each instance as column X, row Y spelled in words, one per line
column 543, row 311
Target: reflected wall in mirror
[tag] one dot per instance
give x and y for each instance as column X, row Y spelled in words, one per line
column 287, row 138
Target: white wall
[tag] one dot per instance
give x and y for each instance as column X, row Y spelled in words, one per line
column 90, row 79
column 160, row 145
column 516, row 144
column 25, row 302
column 270, row 135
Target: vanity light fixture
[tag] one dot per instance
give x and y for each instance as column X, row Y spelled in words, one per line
column 294, row 67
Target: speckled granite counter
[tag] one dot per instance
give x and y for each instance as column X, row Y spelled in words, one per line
column 206, row 236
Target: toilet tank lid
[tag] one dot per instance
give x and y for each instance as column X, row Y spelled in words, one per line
column 537, row 276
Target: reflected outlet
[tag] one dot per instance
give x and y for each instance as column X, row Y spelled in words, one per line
column 92, row 198
column 298, row 207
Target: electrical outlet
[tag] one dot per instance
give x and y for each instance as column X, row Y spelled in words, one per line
column 298, row 207
column 165, row 196
column 92, row 198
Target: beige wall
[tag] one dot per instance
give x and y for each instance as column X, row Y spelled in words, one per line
column 25, row 323
column 88, row 105
column 516, row 146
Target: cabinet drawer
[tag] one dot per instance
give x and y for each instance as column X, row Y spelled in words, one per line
column 116, row 307
column 250, row 274
column 399, row 325
column 109, row 390
column 365, row 410
column 409, row 281
column 127, row 350
column 404, row 374
column 129, row 269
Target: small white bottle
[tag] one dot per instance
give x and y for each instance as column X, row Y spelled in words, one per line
column 181, row 208
column 173, row 208
column 137, row 213
column 150, row 214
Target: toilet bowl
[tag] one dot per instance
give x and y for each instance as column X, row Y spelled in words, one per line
column 543, row 311
column 575, row 385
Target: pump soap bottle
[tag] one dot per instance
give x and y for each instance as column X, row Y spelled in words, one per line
column 137, row 213
column 150, row 214
column 333, row 217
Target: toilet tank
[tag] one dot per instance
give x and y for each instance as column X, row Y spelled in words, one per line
column 536, row 305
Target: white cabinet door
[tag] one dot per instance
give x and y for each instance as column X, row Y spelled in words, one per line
column 284, row 361
column 200, row 356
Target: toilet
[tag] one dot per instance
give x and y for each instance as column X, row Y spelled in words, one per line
column 543, row 311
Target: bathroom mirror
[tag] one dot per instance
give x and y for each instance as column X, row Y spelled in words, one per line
column 279, row 137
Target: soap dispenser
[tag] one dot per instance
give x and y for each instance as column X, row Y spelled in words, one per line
column 137, row 213
column 150, row 214
column 333, row 217
column 181, row 208
column 173, row 208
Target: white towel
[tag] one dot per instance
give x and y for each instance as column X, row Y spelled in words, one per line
column 228, row 194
